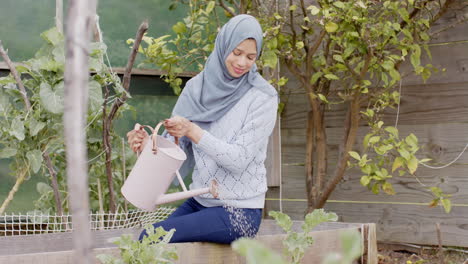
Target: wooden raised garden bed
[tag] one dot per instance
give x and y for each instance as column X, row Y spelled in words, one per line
column 57, row 248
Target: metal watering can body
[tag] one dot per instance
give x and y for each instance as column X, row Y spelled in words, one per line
column 153, row 173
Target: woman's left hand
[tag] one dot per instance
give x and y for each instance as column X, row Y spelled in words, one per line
column 178, row 126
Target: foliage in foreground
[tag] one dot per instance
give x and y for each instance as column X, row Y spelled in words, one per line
column 153, row 249
column 32, row 138
column 296, row 243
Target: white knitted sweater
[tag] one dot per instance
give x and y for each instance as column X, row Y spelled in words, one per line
column 232, row 151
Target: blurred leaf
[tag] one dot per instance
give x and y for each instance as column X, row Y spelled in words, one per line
column 43, row 188
column 35, row 159
column 254, row 252
column 17, row 128
column 412, row 164
column 283, row 220
column 447, row 204
column 35, row 126
column 7, row 153
column 355, row 155
column 331, row 27
column 52, row 99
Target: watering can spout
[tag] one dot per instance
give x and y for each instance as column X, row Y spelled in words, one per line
column 172, row 197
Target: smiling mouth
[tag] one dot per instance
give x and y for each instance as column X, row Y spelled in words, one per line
column 237, row 70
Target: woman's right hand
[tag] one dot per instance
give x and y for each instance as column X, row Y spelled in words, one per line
column 137, row 138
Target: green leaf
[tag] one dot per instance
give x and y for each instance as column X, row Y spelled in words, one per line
column 95, row 95
column 354, row 155
column 376, row 188
column 388, row 65
column 35, row 126
column 255, row 252
column 211, row 5
column 179, row 28
column 447, row 204
column 53, row 36
column 374, row 139
column 339, row 4
column 316, row 217
column 388, row 188
column 392, row 130
column 314, row 10
column 315, row 77
column 52, row 99
column 397, row 163
column 404, row 153
column 43, row 188
column 338, row 58
column 293, row 8
column 331, row 76
column 283, row 220
column 436, row 191
column 412, row 140
column 17, row 128
column 412, row 164
column 416, row 56
column 35, row 159
column 365, row 180
column 299, row 44
column 270, row 59
column 331, row 27
column 323, row 98
column 7, row 153
column 351, row 244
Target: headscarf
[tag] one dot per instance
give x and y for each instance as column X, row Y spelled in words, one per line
column 213, row 92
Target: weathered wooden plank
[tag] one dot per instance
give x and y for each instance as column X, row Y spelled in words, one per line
column 420, row 104
column 408, row 188
column 404, row 223
column 440, row 142
column 457, row 33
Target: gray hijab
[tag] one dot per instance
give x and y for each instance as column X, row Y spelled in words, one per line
column 211, row 93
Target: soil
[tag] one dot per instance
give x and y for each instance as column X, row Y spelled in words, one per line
column 400, row 254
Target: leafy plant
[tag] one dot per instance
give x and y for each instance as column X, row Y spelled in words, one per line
column 153, row 249
column 255, row 252
column 296, row 243
column 32, row 137
column 351, row 249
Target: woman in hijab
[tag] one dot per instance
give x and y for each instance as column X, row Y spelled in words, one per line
column 223, row 118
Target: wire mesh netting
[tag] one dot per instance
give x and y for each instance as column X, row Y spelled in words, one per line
column 40, row 223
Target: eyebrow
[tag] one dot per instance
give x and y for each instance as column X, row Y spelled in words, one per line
column 255, row 53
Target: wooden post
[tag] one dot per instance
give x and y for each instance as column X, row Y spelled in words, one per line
column 81, row 14
column 59, row 15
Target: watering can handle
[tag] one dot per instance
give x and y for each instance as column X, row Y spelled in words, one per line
column 155, row 134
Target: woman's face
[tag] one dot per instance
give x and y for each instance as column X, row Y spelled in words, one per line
column 242, row 58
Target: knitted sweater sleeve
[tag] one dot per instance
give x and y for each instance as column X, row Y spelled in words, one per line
column 236, row 154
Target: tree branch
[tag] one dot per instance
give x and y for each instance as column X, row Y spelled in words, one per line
column 227, row 9
column 348, row 143
column 107, row 120
column 15, row 74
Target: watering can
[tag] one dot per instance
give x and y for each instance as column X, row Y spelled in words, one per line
column 154, row 171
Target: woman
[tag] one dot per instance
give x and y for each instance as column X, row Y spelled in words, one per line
column 223, row 118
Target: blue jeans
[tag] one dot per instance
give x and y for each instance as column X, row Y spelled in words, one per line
column 194, row 222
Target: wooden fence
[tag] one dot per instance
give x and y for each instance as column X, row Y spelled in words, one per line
column 437, row 113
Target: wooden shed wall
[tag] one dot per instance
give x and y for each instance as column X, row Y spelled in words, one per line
column 436, row 112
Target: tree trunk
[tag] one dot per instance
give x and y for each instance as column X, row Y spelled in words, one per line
column 81, row 15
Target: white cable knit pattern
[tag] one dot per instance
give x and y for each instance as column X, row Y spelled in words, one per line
column 232, row 151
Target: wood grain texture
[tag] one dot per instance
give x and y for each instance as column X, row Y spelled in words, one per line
column 420, row 104
column 403, row 223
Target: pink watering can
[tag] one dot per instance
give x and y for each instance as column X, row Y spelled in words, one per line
column 154, row 171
